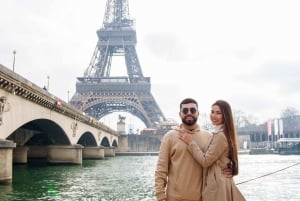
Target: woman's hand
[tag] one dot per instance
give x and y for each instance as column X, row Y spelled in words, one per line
column 185, row 137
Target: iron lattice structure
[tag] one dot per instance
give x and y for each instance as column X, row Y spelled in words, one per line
column 99, row 94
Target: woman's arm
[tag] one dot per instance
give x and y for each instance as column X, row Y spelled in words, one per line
column 216, row 148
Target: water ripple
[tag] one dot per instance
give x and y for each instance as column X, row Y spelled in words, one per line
column 131, row 178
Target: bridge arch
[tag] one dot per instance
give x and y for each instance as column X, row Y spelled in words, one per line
column 100, row 108
column 87, row 139
column 105, row 142
column 115, row 143
column 39, row 132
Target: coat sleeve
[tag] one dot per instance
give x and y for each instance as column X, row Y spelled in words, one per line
column 216, row 148
column 162, row 167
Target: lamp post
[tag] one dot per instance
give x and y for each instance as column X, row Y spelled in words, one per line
column 14, row 52
column 48, row 77
column 68, row 95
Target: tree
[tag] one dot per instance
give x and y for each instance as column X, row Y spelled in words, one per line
column 242, row 119
column 288, row 112
column 205, row 121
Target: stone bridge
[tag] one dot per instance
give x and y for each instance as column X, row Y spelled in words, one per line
column 36, row 124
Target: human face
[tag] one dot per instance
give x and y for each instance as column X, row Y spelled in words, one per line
column 189, row 114
column 216, row 115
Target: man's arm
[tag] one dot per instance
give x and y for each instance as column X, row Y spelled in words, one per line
column 161, row 172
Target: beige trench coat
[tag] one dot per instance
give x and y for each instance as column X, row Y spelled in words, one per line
column 219, row 188
column 216, row 186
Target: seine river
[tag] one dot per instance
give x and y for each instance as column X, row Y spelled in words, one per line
column 131, row 178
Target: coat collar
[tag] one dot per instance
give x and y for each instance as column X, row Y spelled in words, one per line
column 181, row 128
column 218, row 128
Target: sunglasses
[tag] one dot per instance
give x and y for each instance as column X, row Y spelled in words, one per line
column 186, row 110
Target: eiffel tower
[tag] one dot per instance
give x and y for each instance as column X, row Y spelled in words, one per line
column 99, row 94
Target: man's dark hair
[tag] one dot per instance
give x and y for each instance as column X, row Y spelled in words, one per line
column 187, row 101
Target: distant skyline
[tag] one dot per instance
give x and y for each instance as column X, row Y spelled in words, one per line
column 245, row 52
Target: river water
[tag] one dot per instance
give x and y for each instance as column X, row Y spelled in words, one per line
column 131, row 178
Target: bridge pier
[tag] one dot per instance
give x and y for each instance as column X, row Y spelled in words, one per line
column 109, row 151
column 123, row 143
column 20, row 154
column 93, row 153
column 71, row 154
column 37, row 151
column 6, row 158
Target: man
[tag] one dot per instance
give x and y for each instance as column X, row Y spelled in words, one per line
column 178, row 177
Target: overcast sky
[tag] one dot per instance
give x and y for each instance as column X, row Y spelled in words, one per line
column 245, row 52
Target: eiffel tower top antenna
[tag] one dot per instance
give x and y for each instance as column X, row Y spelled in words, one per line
column 117, row 15
column 117, row 31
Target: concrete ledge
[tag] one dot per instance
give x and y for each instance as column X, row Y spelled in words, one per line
column 7, row 144
column 109, row 152
column 260, row 151
column 67, row 154
column 37, row 151
column 136, row 153
column 93, row 153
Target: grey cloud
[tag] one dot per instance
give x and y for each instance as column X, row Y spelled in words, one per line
column 286, row 75
column 245, row 54
column 165, row 46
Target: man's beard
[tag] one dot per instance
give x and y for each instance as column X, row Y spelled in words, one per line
column 189, row 122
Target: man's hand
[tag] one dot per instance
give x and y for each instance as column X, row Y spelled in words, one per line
column 227, row 172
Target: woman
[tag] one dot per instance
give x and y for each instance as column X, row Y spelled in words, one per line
column 220, row 153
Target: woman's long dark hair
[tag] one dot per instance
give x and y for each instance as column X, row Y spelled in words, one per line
column 230, row 133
